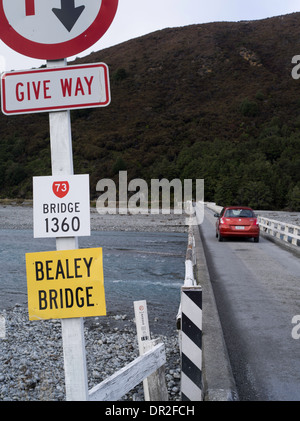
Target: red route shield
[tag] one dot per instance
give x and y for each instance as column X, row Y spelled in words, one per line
column 60, row 188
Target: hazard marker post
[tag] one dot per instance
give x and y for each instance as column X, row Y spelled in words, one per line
column 41, row 29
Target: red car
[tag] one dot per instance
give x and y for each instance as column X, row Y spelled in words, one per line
column 237, row 221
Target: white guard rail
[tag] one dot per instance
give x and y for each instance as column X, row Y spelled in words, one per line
column 286, row 232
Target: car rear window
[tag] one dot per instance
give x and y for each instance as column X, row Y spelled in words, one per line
column 239, row 213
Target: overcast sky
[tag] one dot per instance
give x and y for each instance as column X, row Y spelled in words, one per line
column 139, row 17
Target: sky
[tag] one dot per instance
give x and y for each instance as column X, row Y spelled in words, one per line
column 135, row 18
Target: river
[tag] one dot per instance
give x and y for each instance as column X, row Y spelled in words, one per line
column 137, row 266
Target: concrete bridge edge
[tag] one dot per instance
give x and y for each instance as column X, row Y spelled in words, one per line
column 218, row 379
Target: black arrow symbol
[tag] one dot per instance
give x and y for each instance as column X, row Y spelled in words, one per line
column 68, row 14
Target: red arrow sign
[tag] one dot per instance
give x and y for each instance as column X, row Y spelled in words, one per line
column 38, row 32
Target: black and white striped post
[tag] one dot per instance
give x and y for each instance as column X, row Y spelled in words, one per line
column 191, row 343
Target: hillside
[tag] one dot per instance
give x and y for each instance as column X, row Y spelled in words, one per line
column 213, row 101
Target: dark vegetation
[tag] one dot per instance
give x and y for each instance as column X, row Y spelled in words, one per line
column 213, row 101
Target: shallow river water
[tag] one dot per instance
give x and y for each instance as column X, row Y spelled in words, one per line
column 137, row 266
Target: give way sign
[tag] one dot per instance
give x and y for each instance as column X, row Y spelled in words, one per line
column 55, row 89
column 54, row 29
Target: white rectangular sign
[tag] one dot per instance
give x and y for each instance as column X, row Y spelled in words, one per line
column 142, row 323
column 61, row 206
column 2, row 327
column 55, row 89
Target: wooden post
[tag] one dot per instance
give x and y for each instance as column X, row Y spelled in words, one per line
column 156, row 382
column 294, row 239
column 72, row 329
column 121, row 382
column 155, row 388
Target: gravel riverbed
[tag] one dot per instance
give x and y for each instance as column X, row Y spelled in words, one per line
column 12, row 218
column 31, row 353
column 287, row 217
column 31, row 356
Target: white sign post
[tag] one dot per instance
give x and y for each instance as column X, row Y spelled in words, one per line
column 72, row 329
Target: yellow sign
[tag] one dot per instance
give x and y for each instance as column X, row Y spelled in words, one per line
column 65, row 284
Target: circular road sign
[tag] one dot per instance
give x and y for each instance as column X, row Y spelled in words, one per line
column 54, row 29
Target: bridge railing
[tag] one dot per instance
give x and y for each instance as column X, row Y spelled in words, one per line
column 214, row 207
column 286, row 232
column 189, row 325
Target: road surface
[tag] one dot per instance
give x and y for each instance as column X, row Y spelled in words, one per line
column 257, row 290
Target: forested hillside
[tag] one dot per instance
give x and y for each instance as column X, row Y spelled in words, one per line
column 214, row 101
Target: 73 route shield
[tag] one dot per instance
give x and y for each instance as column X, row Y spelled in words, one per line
column 54, row 29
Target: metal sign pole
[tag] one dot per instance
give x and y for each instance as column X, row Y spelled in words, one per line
column 72, row 329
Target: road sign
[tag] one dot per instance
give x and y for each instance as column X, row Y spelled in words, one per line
column 65, row 284
column 61, row 206
column 142, row 323
column 2, row 327
column 54, row 29
column 55, row 89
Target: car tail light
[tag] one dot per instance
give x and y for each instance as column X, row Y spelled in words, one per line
column 255, row 222
column 222, row 221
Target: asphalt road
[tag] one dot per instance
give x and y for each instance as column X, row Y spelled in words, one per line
column 257, row 290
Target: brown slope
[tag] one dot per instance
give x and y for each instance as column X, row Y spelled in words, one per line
column 171, row 89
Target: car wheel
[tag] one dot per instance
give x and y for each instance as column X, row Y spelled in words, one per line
column 220, row 238
column 256, row 239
